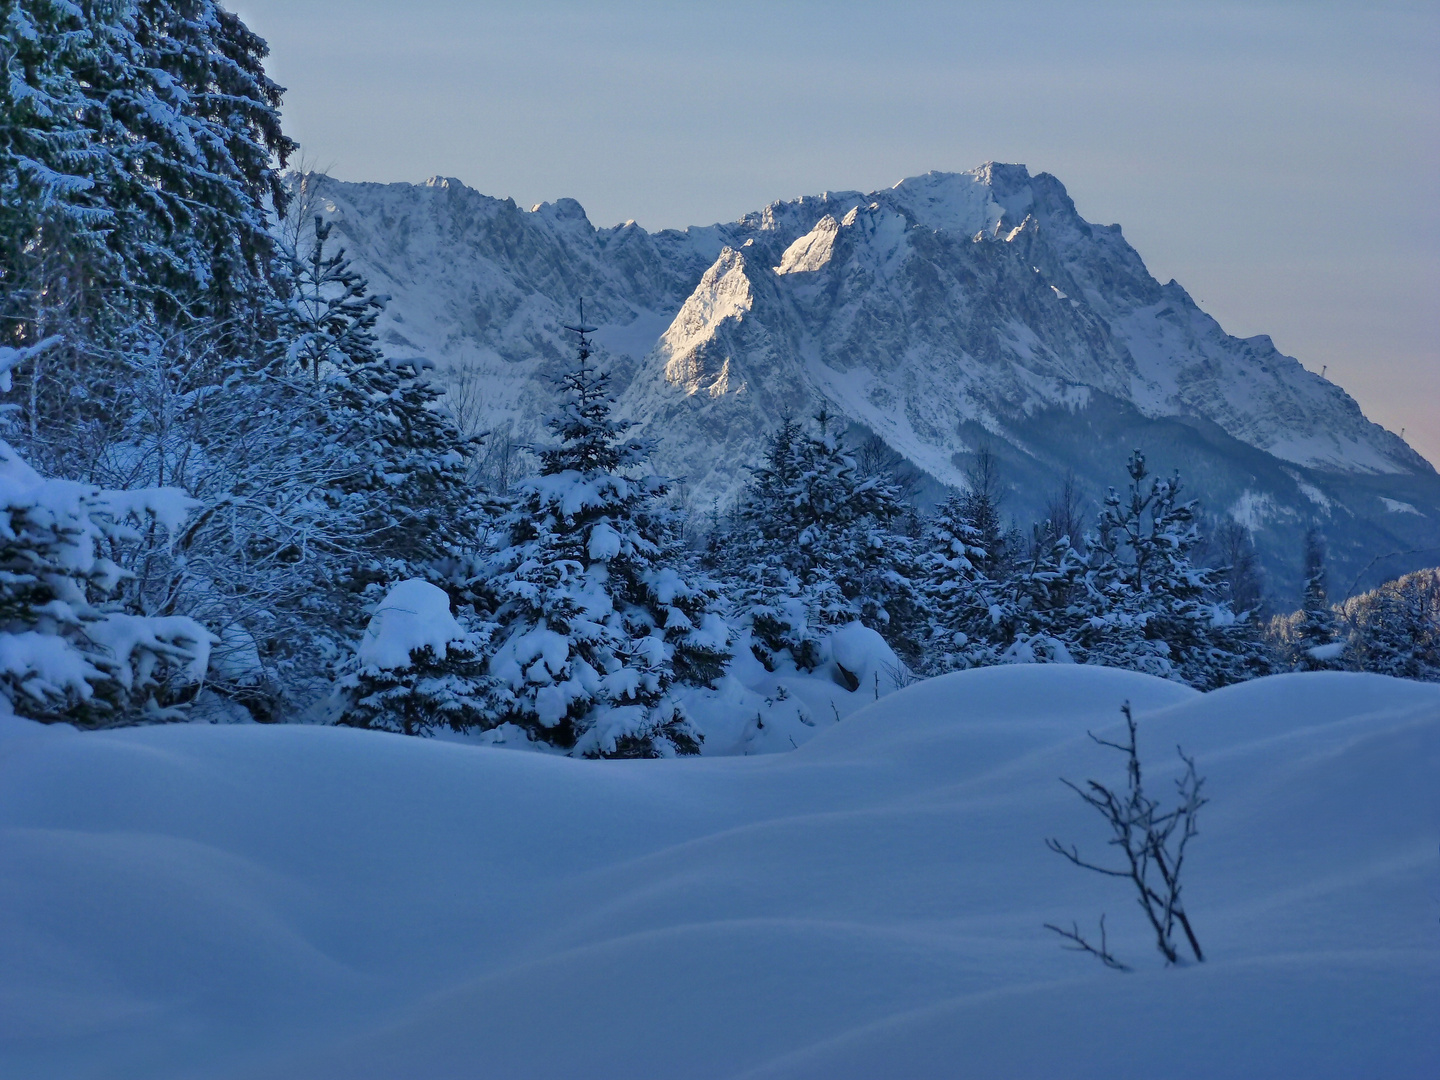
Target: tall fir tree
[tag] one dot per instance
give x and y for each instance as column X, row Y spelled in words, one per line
column 408, row 482
column 1314, row 641
column 147, row 133
column 981, row 508
column 322, row 473
column 139, row 152
column 598, row 614
column 1153, row 608
column 959, row 593
column 817, row 544
column 139, row 145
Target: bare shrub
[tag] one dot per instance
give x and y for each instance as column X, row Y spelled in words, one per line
column 1153, row 843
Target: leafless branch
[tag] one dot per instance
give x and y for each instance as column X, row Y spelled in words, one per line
column 1152, row 841
column 1079, row 944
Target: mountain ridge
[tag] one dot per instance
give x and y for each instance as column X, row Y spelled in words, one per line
column 948, row 312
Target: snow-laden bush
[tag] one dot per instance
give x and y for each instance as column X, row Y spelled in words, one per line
column 418, row 668
column 63, row 654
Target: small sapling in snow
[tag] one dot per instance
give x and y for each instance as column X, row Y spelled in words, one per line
column 1153, row 843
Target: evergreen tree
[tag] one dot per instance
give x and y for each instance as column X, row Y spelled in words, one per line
column 138, row 152
column 1042, row 611
column 419, row 669
column 144, row 135
column 65, row 653
column 960, row 595
column 598, row 615
column 326, row 319
column 819, row 544
column 1395, row 629
column 992, row 602
column 1314, row 638
column 980, row 506
column 1152, row 608
column 407, row 484
column 320, row 476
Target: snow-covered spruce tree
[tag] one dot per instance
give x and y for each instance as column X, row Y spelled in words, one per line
column 408, row 484
column 1395, row 629
column 148, row 131
column 1042, row 603
column 65, row 653
column 1311, row 638
column 959, row 594
column 326, row 317
column 1152, row 608
column 980, row 508
column 598, row 614
column 760, row 571
column 376, row 489
column 991, row 601
column 138, row 144
column 817, row 544
column 419, row 669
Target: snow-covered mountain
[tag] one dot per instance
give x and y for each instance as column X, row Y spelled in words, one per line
column 950, row 312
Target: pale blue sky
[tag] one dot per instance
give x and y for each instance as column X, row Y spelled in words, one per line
column 1279, row 159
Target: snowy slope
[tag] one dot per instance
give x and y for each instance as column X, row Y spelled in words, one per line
column 953, row 311
column 318, row 902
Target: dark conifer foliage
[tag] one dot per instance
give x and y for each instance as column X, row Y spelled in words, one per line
column 1315, row 643
column 138, row 145
column 1155, row 609
column 599, row 614
column 431, row 693
column 1395, row 629
column 816, row 544
column 406, row 481
column 419, row 669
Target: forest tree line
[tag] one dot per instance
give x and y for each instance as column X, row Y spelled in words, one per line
column 213, row 475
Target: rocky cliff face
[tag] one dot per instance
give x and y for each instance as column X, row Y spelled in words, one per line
column 950, row 312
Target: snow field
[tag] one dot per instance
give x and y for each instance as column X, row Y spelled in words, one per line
column 318, row 902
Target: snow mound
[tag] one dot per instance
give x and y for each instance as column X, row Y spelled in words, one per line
column 294, row 901
column 413, row 615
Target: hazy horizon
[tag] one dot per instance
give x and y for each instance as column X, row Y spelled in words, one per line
column 1277, row 160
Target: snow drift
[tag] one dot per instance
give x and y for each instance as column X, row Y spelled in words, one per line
column 318, row 902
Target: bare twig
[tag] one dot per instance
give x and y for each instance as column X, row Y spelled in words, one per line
column 1079, row 944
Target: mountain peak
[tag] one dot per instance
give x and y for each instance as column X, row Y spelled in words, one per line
column 1051, row 343
column 991, row 200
